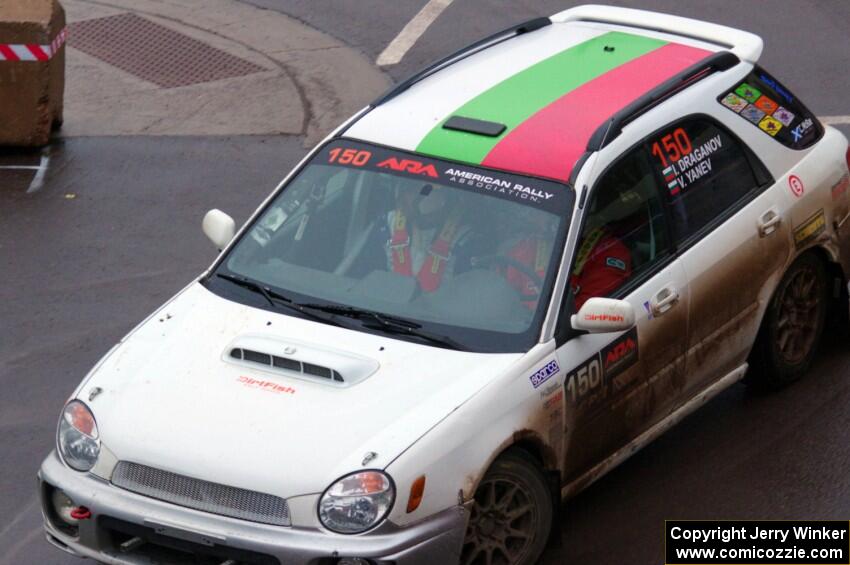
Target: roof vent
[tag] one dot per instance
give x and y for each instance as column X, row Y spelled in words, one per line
column 471, row 125
column 285, row 363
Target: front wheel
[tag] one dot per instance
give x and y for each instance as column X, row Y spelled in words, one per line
column 511, row 515
column 793, row 324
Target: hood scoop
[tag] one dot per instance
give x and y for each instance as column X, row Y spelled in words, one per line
column 299, row 360
column 286, row 363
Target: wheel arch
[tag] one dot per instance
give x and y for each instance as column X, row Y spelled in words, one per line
column 834, row 269
column 532, row 445
column 761, row 368
column 531, row 442
column 831, row 261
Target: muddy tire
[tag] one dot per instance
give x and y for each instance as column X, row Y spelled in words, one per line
column 511, row 516
column 792, row 326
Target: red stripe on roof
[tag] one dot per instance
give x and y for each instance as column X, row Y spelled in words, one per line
column 550, row 142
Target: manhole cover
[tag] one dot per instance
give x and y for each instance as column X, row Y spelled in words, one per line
column 155, row 53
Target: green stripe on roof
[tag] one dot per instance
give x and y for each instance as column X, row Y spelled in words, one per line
column 520, row 96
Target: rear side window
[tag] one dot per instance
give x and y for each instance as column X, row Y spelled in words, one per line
column 766, row 104
column 706, row 172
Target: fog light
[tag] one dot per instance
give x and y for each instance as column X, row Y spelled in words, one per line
column 64, row 507
column 354, row 561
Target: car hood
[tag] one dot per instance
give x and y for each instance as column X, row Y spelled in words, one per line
column 174, row 397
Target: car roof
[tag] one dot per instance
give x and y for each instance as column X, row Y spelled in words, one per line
column 551, row 88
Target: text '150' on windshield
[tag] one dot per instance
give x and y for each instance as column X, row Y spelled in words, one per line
column 539, row 193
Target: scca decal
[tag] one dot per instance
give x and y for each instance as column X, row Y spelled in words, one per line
column 409, row 166
column 591, row 380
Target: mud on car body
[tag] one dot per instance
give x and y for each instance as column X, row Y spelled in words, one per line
column 472, row 300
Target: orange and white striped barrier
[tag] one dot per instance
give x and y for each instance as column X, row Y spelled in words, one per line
column 33, row 52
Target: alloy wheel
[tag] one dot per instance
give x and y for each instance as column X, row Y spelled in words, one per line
column 502, row 524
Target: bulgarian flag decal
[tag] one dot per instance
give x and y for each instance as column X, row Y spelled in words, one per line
column 553, row 107
column 670, row 178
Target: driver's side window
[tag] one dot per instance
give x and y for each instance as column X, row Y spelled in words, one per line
column 624, row 232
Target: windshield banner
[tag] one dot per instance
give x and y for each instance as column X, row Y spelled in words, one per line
column 539, row 193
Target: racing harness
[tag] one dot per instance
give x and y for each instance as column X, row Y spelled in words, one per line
column 533, row 252
column 583, row 255
column 430, row 275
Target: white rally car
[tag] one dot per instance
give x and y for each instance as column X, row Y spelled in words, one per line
column 472, row 300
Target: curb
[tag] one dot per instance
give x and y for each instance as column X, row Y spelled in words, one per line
column 308, row 82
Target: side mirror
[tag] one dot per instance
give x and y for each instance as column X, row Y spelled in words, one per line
column 219, row 228
column 604, row 315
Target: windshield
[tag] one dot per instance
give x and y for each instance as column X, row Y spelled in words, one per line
column 461, row 251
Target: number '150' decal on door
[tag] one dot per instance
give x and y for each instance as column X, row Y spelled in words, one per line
column 591, row 380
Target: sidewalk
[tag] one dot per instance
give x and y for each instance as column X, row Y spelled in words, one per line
column 284, row 77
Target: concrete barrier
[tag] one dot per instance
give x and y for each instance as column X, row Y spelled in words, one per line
column 32, row 70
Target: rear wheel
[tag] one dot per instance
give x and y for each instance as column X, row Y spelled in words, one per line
column 793, row 325
column 511, row 515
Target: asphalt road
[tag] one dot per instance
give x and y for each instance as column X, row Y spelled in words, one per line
column 115, row 230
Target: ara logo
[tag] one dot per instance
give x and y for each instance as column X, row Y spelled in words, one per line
column 621, row 354
column 409, row 166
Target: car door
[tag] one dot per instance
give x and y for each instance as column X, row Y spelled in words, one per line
column 731, row 234
column 617, row 384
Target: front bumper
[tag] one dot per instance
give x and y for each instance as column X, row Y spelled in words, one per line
column 170, row 532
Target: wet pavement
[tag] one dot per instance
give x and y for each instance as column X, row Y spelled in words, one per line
column 779, row 456
column 112, row 230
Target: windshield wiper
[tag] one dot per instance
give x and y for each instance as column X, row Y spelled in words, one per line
column 276, row 299
column 328, row 313
column 389, row 324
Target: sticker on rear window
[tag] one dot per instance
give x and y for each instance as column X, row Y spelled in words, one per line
column 734, row 102
column 800, row 130
column 763, row 102
column 748, row 93
column 784, row 116
column 766, row 105
column 770, row 125
column 752, row 114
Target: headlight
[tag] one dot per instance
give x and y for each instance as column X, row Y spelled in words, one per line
column 357, row 502
column 77, row 437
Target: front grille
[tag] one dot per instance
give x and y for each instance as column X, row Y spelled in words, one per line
column 201, row 495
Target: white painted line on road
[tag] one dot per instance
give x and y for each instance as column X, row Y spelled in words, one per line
column 19, row 168
column 20, row 516
column 414, row 29
column 835, row 120
column 11, row 557
column 38, row 179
